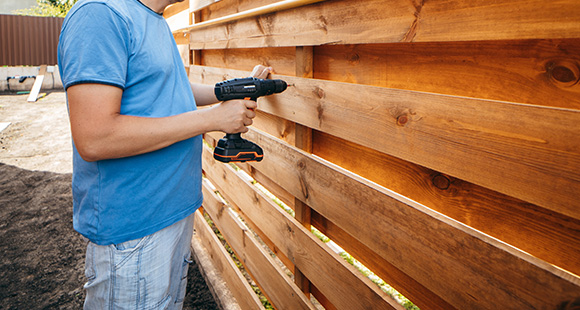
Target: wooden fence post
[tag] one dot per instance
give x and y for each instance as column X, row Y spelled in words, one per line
column 303, row 140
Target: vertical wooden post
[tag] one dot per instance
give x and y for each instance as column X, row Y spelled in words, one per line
column 303, row 137
column 304, row 59
column 37, row 84
column 304, row 68
column 195, row 55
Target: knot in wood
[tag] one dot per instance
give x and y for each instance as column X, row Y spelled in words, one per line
column 256, row 198
column 289, row 229
column 563, row 72
column 354, row 58
column 441, row 182
column 402, row 119
column 323, row 24
column 301, row 165
column 319, row 92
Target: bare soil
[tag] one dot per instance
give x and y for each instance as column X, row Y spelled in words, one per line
column 41, row 256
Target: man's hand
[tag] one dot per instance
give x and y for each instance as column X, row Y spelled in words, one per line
column 261, row 72
column 236, row 115
column 235, row 119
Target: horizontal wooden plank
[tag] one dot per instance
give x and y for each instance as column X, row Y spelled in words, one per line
column 176, row 8
column 459, row 20
column 344, row 286
column 237, row 284
column 411, row 289
column 223, row 8
column 384, row 21
column 535, row 158
column 541, row 72
column 212, row 276
column 547, row 235
column 281, row 59
column 264, row 238
column 274, row 283
column 196, row 5
column 465, row 267
column 257, row 11
column 276, row 126
column 181, row 39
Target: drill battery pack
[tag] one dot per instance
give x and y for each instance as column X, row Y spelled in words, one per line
column 233, row 148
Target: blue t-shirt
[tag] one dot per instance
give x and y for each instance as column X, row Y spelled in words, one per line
column 125, row 44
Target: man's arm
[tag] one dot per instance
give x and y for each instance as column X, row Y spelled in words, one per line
column 204, row 94
column 100, row 132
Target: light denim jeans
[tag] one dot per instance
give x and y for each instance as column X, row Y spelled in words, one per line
column 146, row 273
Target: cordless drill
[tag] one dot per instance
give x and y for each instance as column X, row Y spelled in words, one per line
column 232, row 147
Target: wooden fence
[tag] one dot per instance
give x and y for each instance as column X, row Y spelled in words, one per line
column 437, row 142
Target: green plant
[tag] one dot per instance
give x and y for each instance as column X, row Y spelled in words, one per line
column 53, row 8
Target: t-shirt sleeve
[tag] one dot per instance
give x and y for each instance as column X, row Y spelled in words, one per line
column 94, row 47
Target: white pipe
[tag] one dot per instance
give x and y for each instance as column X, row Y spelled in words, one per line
column 270, row 8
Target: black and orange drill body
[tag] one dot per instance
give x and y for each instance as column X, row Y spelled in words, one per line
column 232, row 147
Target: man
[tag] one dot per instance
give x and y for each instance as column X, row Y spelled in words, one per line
column 136, row 149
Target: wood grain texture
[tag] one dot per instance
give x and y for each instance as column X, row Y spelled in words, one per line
column 541, row 72
column 547, row 235
column 461, row 265
column 237, row 284
column 279, row 254
column 534, row 157
column 276, row 126
column 303, row 140
column 344, row 286
column 176, row 8
column 227, row 7
column 281, row 59
column 384, row 21
column 411, row 289
column 460, row 119
column 273, row 282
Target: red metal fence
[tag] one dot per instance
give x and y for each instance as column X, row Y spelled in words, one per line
column 28, row 40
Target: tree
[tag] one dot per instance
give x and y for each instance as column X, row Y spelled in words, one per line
column 54, row 8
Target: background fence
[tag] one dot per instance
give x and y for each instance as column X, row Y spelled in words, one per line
column 436, row 142
column 29, row 40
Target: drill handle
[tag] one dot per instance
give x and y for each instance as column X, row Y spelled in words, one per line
column 233, row 136
column 250, row 98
